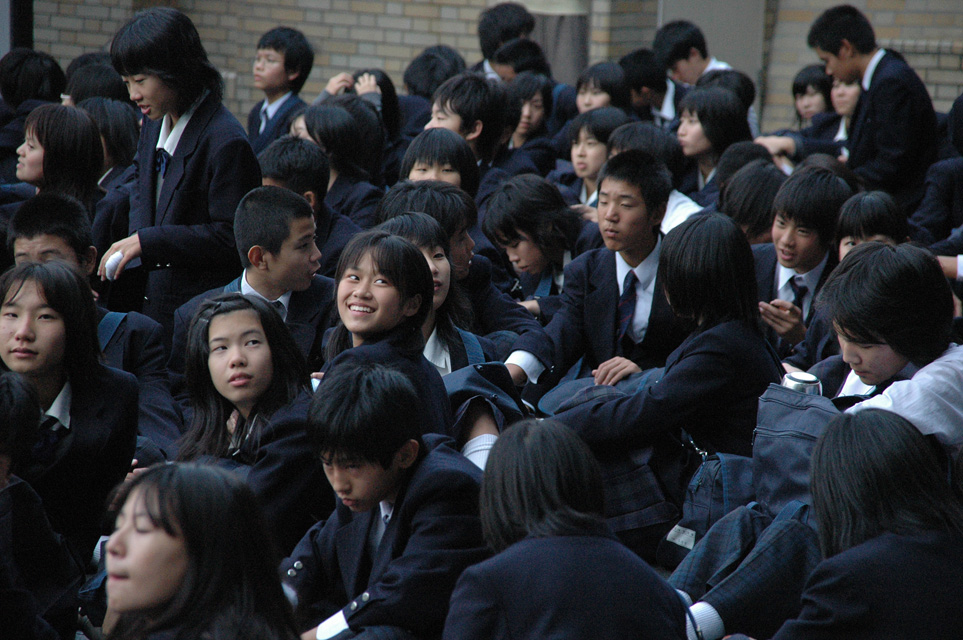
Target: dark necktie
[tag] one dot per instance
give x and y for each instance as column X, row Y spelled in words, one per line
column 799, row 292
column 161, row 161
column 627, row 303
column 279, row 307
column 45, row 448
column 264, row 119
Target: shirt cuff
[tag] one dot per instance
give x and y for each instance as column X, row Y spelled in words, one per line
column 332, row 626
column 959, row 268
column 527, row 363
column 708, row 620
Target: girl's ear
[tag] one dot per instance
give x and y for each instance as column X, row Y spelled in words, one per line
column 411, row 306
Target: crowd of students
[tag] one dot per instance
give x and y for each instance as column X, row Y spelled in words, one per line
column 455, row 353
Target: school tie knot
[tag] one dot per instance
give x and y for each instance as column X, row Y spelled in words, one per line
column 799, row 291
column 627, row 303
column 161, row 161
column 279, row 307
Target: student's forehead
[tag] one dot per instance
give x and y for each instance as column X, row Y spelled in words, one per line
column 270, row 51
column 620, row 189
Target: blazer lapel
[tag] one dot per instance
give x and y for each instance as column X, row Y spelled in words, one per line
column 350, row 546
column 182, row 154
column 601, row 305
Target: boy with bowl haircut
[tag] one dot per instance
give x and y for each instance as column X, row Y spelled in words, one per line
column 281, row 67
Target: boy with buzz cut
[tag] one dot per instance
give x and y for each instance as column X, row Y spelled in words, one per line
column 406, row 523
column 281, row 67
column 302, row 167
column 791, row 270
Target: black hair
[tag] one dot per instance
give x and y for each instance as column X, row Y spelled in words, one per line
column 365, row 412
column 840, row 169
column 26, row 74
column 474, row 99
column 163, row 42
column 610, row 78
column 532, row 205
column 511, row 109
column 812, row 198
column 298, row 53
column 735, row 157
column 874, row 472
column 642, row 70
column 431, row 68
column 503, row 22
column 97, row 81
column 721, row 114
column 675, row 39
column 643, row 170
column 300, row 164
column 208, row 435
column 843, row 22
column 402, row 263
column 647, row 137
column 893, row 295
column 425, row 232
column 390, row 110
column 522, row 54
column 67, row 292
column 541, row 480
column 264, row 217
column 73, row 158
column 20, row 415
column 733, row 80
column 709, row 272
column 450, row 206
column 368, row 126
column 525, row 86
column 598, row 122
column 872, row 213
column 86, row 59
column 231, row 588
column 441, row 146
column 335, row 129
column 117, row 123
column 815, row 76
column 53, row 214
column 749, row 195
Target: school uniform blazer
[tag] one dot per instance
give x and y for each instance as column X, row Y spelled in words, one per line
column 433, row 535
column 892, row 141
column 96, row 457
column 188, row 238
column 586, row 324
column 514, row 162
column 941, row 210
column 765, row 259
column 275, row 127
column 334, row 232
column 356, row 199
column 564, row 588
column 137, row 347
column 542, row 153
column 898, row 587
column 710, row 387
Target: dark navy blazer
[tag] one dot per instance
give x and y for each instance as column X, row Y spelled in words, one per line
column 564, row 588
column 276, row 126
column 333, row 233
column 941, row 210
column 433, row 535
column 356, row 199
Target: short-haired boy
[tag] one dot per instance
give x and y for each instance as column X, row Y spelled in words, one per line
column 302, row 167
column 281, row 67
column 680, row 47
column 791, row 270
column 406, row 523
column 470, row 105
column 654, row 96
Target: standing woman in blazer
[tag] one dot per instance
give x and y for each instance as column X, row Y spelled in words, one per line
column 193, row 165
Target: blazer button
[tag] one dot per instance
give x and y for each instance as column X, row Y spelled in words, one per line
column 354, row 606
column 365, row 596
column 292, row 573
column 298, row 565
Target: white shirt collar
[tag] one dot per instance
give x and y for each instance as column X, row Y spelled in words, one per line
column 60, row 408
column 871, row 68
column 702, row 182
column 387, row 508
column 853, row 386
column 667, row 112
column 437, row 353
column 590, row 199
column 171, row 136
column 248, row 290
column 810, row 278
column 272, row 108
column 490, row 72
column 646, row 270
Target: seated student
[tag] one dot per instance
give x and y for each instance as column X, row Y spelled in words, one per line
column 498, row 25
column 891, row 533
column 337, row 130
column 385, row 292
column 601, row 85
column 492, row 310
column 119, row 129
column 588, row 133
column 506, row 158
column 811, row 89
column 748, row 196
column 941, row 210
column 194, row 164
column 891, row 306
column 29, row 79
column 281, row 67
column 712, row 382
column 424, row 74
column 39, row 577
column 741, row 85
column 872, row 216
column 302, row 167
column 712, row 119
column 791, row 270
column 530, row 221
column 49, row 331
column 558, row 571
column 275, row 233
column 406, row 523
column 530, row 136
column 98, row 80
column 249, row 393
column 655, row 97
column 735, row 157
column 680, row 47
column 660, row 143
column 55, row 227
column 518, row 56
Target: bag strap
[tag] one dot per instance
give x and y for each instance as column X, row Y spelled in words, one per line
column 473, row 347
column 108, row 327
column 544, row 287
column 794, row 510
